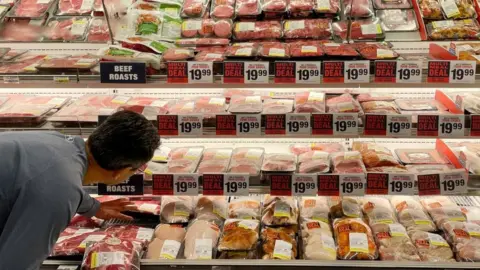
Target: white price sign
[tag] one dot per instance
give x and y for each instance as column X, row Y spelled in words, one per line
column 399, row 125
column 454, row 182
column 190, row 125
column 308, row 72
column 200, row 72
column 401, row 184
column 185, row 184
column 257, row 72
column 298, row 124
column 67, row 267
column 352, row 184
column 11, row 79
column 357, row 72
column 451, row 125
column 409, row 72
column 304, row 185
column 236, row 184
column 462, row 71
column 345, row 124
column 249, row 124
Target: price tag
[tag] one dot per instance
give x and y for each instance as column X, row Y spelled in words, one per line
column 475, row 125
column 462, row 71
column 190, row 125
column 308, row 72
column 448, row 183
column 357, row 72
column 118, row 72
column 11, row 79
column 275, row 124
column 333, row 72
column 61, row 79
column 427, row 125
column 298, row 124
column 451, row 125
column 67, row 267
column 285, row 72
column 257, row 72
column 212, row 184
column 177, row 72
column 281, row 184
column 185, row 184
column 352, row 184
column 200, row 72
column 304, row 185
column 399, row 125
column 248, row 124
column 234, row 72
column 328, row 184
column 167, row 125
column 162, row 184
column 341, row 124
column 385, row 71
column 409, row 72
column 226, row 124
column 133, row 186
column 438, row 71
column 236, row 184
column 390, row 184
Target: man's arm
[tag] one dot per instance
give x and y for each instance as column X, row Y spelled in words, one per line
column 88, row 206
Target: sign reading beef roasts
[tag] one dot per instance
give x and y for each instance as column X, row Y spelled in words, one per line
column 134, row 186
column 120, row 72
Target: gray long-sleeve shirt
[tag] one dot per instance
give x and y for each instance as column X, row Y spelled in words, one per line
column 41, row 177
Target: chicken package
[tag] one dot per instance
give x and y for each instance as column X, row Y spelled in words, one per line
column 248, row 8
column 396, row 20
column 401, row 203
column 140, row 235
column 310, row 227
column 184, row 159
column 245, row 104
column 354, row 240
column 300, row 148
column 343, row 104
column 194, row 8
column 112, row 253
column 432, row 247
column 314, row 162
column 314, row 208
column 420, row 156
column 274, row 50
column 437, row 202
column 167, row 242
column 67, row 7
column 394, row 244
column 378, row 212
column 310, row 102
column 465, row 239
column 277, row 106
column 207, row 28
column 374, row 155
column 246, row 160
column 244, row 208
column 66, row 29
column 215, row 160
column 472, row 213
column 346, row 207
column 170, row 232
column 458, row 9
column 442, row 215
column 279, row 211
column 347, row 162
column 257, row 30
column 319, row 247
column 279, row 243
column 201, row 240
column 416, row 220
column 211, row 208
column 30, row 9
column 308, row 48
column 395, row 4
column 300, row 8
column 327, row 7
column 73, row 241
column 239, row 234
column 453, row 29
column 279, row 163
column 358, row 8
column 307, row 28
column 222, row 9
column 381, row 107
column 176, row 209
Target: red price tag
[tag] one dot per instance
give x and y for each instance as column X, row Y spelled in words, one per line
column 377, row 184
column 375, row 124
column 167, row 125
column 162, row 184
column 441, row 125
column 428, row 184
column 281, row 184
column 234, row 72
column 475, row 125
column 427, row 125
column 333, row 72
column 385, row 71
column 177, row 72
column 213, row 184
column 275, row 124
column 226, row 124
column 438, row 71
column 285, row 72
column 328, row 185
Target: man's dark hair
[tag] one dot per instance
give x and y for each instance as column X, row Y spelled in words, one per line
column 125, row 139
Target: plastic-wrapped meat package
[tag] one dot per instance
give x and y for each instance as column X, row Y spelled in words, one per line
column 149, row 107
column 347, row 162
column 112, row 253
column 465, row 239
column 78, row 62
column 279, row 163
column 314, row 162
column 23, row 64
column 274, row 8
column 147, row 206
column 309, row 102
column 472, row 213
column 177, row 54
column 279, row 239
column 429, row 168
column 119, row 54
column 98, row 31
column 432, row 247
column 211, row 208
column 367, row 29
column 453, row 29
column 194, row 8
column 239, row 50
column 246, row 160
column 207, row 28
column 300, row 8
column 215, row 160
column 30, row 8
column 354, row 240
column 315, row 227
column 184, row 159
column 195, row 42
column 176, row 209
column 66, row 29
column 394, row 244
column 415, row 219
column 58, row 102
column 280, row 211
column 395, row 20
column 307, row 28
column 239, row 234
column 458, row 9
column 382, row 107
column 358, row 8
column 374, row 97
column 376, row 51
column 201, row 240
column 140, row 235
column 386, row 4
column 274, row 50
column 167, row 242
column 247, row 8
column 210, row 105
column 437, row 202
column 24, row 113
column 420, row 156
column 306, row 49
column 401, row 203
column 73, row 241
column 314, row 208
column 222, row 9
column 319, row 247
column 340, row 50
column 145, row 23
column 147, row 45
column 327, row 6
column 345, row 208
column 245, row 104
column 78, row 7
column 342, row 104
column 211, row 56
column 257, row 30
column 417, row 105
column 299, row 148
column 430, row 9
column 244, row 208
column 374, row 155
column 12, row 54
column 442, row 215
column 79, row 221
column 277, row 106
column 229, row 93
column 378, row 212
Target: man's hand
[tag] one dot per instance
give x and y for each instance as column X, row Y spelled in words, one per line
column 112, row 209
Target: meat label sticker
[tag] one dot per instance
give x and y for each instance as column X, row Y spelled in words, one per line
column 358, row 242
column 352, row 184
column 234, row 72
column 409, row 72
column 170, row 249
column 248, row 124
column 462, row 71
column 304, row 185
column 282, row 250
column 177, row 72
column 475, row 125
column 190, row 125
column 357, row 72
column 167, row 125
column 338, row 124
column 256, row 72
column 200, row 72
column 236, row 184
column 308, row 72
column 162, row 184
column 122, row 72
column 285, row 72
column 298, row 124
column 226, row 124
column 390, row 184
column 133, row 186
column 385, row 71
column 203, row 249
column 275, row 124
column 281, row 184
column 333, row 72
column 212, row 184
column 185, row 184
column 328, row 184
column 451, row 126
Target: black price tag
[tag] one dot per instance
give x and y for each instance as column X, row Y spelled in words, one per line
column 281, row 184
column 162, row 184
column 134, row 186
column 119, row 72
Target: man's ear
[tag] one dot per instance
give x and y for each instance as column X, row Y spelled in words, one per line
column 121, row 175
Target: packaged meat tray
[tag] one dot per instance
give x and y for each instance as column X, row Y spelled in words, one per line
column 140, row 235
column 429, row 168
column 416, row 105
column 307, row 28
column 66, row 28
column 342, row 104
column 147, row 206
column 306, row 49
column 472, row 213
column 68, row 7
column 177, row 54
column 239, row 234
column 340, row 50
column 311, row 227
column 309, row 102
column 25, row 114
column 167, row 242
column 300, row 8
column 401, row 203
column 396, row 4
column 279, row 211
column 79, row 221
column 116, row 53
column 279, row 243
column 98, row 31
column 212, row 55
column 380, row 107
column 222, row 9
column 210, row 105
column 58, row 102
column 257, row 30
column 347, row 162
column 396, row 20
column 279, row 163
column 376, row 52
column 147, row 45
column 246, row 160
column 367, row 29
column 432, row 247
column 300, row 148
column 244, row 208
column 12, row 54
column 458, row 9
column 201, row 240
column 374, row 97
column 327, row 7
column 420, row 156
column 148, row 106
column 207, row 28
column 394, row 244
column 77, row 62
column 215, row 160
column 20, row 30
column 314, row 162
column 31, row 9
column 340, row 32
column 198, row 42
column 358, row 8
column 314, row 208
column 453, row 29
column 431, row 9
column 145, row 23
column 277, row 106
column 274, row 50
column 112, row 253
column 247, row 8
column 378, row 211
column 415, row 219
column 170, row 232
column 242, row 50
column 442, row 215
column 319, row 247
column 245, row 104
column 184, row 159
column 211, row 208
column 176, row 209
column 354, row 240
column 73, row 241
column 437, row 202
column 345, row 208
column 464, row 238
column 194, row 8
column 274, row 8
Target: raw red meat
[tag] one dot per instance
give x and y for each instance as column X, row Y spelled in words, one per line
column 310, row 102
column 246, row 160
column 75, row 7
column 277, row 106
column 210, row 105
column 68, row 29
column 298, row 149
column 23, row 64
column 333, row 6
column 308, row 28
column 343, row 103
column 162, row 105
column 31, row 8
column 79, row 221
column 210, row 56
column 346, row 50
column 112, row 254
column 274, row 50
column 98, row 31
column 207, row 28
column 301, row 8
column 258, row 30
column 368, row 29
column 194, row 8
column 175, row 54
column 348, row 162
column 358, row 8
column 222, row 12
column 133, row 233
column 314, row 162
column 192, row 42
column 245, row 104
column 74, row 241
column 279, row 162
column 215, row 160
column 306, row 49
column 69, row 62
column 242, row 50
column 278, row 6
column 21, row 30
column 247, row 8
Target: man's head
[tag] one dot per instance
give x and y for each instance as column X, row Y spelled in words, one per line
column 119, row 147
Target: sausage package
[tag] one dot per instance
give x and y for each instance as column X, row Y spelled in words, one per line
column 176, row 209
column 239, row 234
column 244, row 208
column 307, row 28
column 279, row 211
column 221, row 28
column 246, row 160
column 354, row 240
column 257, row 30
column 394, row 244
